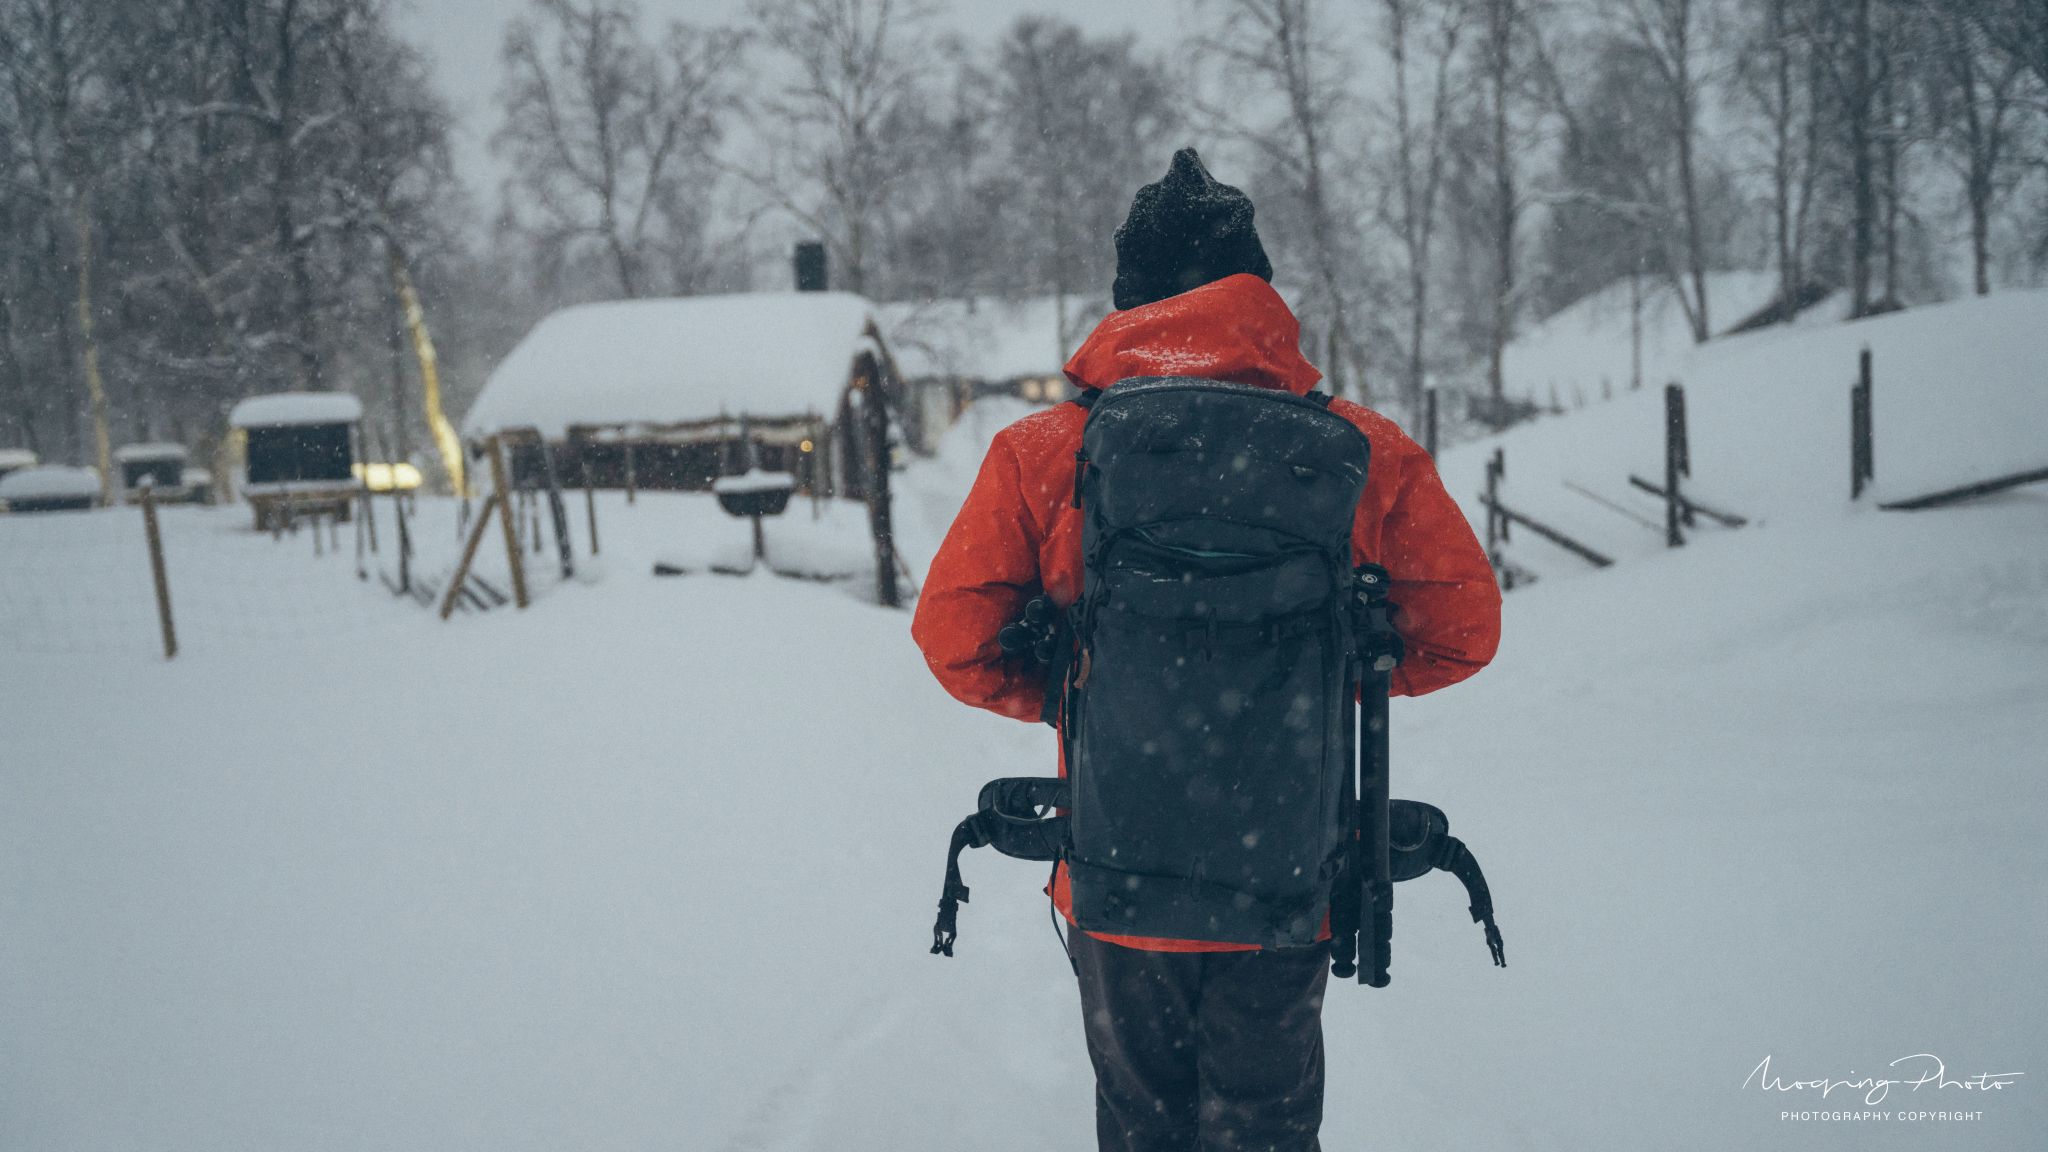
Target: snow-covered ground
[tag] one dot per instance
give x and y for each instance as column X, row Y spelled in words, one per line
column 1589, row 349
column 653, row 863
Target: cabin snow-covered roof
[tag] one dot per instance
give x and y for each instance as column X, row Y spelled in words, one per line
column 286, row 409
column 17, row 458
column 668, row 361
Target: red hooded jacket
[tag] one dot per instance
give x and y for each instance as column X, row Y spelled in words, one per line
column 1018, row 533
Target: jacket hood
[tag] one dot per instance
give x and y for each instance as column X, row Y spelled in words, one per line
column 1235, row 329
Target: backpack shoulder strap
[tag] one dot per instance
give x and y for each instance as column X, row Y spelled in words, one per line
column 1086, row 400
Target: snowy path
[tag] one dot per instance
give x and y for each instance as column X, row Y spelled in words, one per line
column 652, row 866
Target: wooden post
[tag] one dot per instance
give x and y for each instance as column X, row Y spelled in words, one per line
column 370, row 516
column 814, row 479
column 316, row 535
column 476, row 537
column 875, row 415
column 506, row 517
column 1862, row 465
column 590, row 505
column 404, row 542
column 156, row 570
column 1676, row 463
column 1496, row 524
column 631, row 480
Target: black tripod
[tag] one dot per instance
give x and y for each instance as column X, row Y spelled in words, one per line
column 1362, row 907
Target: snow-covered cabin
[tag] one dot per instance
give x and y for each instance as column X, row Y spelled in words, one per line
column 953, row 352
column 675, row 393
column 300, row 448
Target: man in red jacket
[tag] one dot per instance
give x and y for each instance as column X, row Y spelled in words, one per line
column 1196, row 1044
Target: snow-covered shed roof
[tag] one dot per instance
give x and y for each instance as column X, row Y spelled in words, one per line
column 669, row 361
column 283, row 409
column 49, row 481
column 17, row 458
column 128, row 453
column 987, row 339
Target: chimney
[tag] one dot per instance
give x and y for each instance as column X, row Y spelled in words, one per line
column 810, row 266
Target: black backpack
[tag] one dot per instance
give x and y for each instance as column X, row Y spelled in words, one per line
column 1206, row 678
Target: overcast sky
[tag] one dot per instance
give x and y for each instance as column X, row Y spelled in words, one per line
column 463, row 37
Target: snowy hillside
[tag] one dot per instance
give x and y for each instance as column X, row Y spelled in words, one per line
column 653, row 863
column 1588, row 351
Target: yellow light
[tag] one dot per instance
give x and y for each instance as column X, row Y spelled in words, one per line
column 804, row 447
column 385, row 477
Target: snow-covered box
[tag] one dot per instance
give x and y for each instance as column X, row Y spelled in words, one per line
column 300, row 448
column 50, row 488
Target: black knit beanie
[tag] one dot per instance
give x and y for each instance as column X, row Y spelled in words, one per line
column 1183, row 232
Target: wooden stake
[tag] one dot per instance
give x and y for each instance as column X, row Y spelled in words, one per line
column 476, row 537
column 590, row 507
column 156, row 570
column 506, row 517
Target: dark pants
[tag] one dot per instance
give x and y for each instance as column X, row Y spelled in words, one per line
column 1208, row 1051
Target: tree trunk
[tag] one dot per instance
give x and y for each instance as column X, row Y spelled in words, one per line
column 1500, row 29
column 1781, row 156
column 102, row 448
column 1695, row 247
column 1862, row 176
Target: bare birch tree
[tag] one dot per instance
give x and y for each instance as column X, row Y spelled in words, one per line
column 609, row 139
column 54, row 55
column 1668, row 35
column 1285, row 48
column 1083, row 124
column 1972, row 91
column 1434, row 28
column 840, row 124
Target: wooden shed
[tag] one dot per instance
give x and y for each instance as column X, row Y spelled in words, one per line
column 671, row 393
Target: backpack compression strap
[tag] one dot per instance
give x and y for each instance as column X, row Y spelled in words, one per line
column 1457, row 859
column 1015, row 815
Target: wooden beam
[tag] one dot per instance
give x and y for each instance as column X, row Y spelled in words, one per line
column 156, row 570
column 505, row 515
column 1728, row 519
column 1548, row 533
column 1966, row 492
column 476, row 537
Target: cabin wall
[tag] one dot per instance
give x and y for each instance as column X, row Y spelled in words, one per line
column 657, row 466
